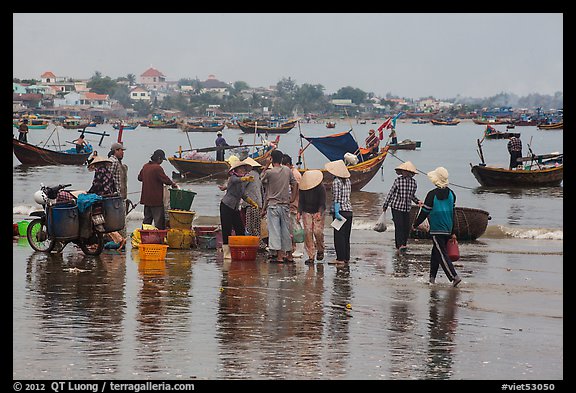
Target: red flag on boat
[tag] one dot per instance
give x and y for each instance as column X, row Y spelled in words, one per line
column 386, row 124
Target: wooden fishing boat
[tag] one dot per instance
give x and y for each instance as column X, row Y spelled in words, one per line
column 469, row 223
column 74, row 123
column 406, row 144
column 551, row 126
column 266, row 127
column 446, row 122
column 201, row 127
column 492, row 133
column 537, row 170
column 34, row 122
column 29, row 154
column 360, row 174
column 484, row 121
column 209, row 169
column 126, row 126
column 496, row 176
column 232, row 125
column 335, row 147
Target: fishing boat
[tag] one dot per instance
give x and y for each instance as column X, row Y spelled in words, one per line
column 125, row 126
column 232, row 125
column 330, row 124
column 469, row 223
column 488, row 121
column 492, row 133
column 159, row 121
column 266, row 126
column 72, row 123
column 335, row 147
column 406, row 144
column 34, row 122
column 444, row 122
column 192, row 168
column 201, row 126
column 29, row 154
column 536, row 170
column 551, row 126
column 420, row 121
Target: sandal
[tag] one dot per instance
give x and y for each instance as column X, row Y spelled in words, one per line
column 309, row 261
column 320, row 255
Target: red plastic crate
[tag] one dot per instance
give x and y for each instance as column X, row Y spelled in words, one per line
column 153, row 236
column 243, row 253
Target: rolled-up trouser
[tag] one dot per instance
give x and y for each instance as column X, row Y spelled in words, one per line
column 439, row 257
column 279, row 236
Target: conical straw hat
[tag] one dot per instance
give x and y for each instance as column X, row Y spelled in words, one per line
column 337, row 168
column 252, row 162
column 311, row 179
column 407, row 166
column 236, row 164
column 98, row 160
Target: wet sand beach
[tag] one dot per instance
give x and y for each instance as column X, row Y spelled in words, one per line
column 197, row 316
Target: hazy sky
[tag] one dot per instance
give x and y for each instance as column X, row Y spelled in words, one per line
column 409, row 55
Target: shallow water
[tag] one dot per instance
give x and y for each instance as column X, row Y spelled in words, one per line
column 195, row 316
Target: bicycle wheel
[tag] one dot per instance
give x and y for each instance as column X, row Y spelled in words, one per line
column 37, row 234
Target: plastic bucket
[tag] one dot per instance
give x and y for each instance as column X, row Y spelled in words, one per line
column 23, row 227
column 181, row 219
column 244, row 241
column 181, row 199
column 63, row 221
column 114, row 212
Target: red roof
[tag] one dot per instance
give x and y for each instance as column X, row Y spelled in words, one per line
column 152, row 72
column 48, row 74
column 95, row 96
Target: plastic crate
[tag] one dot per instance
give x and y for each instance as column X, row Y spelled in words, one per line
column 243, row 241
column 207, row 242
column 243, row 253
column 153, row 236
column 155, row 252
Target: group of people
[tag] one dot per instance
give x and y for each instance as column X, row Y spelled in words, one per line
column 279, row 196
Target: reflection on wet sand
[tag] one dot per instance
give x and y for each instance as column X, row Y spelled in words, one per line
column 89, row 292
column 162, row 309
column 442, row 326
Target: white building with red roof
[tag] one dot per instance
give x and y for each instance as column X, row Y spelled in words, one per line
column 152, row 79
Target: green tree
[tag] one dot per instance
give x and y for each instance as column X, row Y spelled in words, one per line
column 351, row 93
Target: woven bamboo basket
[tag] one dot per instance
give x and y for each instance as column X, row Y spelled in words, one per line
column 469, row 223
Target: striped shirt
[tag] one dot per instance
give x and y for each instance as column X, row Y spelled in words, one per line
column 403, row 191
column 341, row 190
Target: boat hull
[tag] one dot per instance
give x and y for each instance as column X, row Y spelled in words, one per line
column 501, row 135
column 493, row 177
column 360, row 174
column 196, row 169
column 29, row 154
column 469, row 223
column 249, row 128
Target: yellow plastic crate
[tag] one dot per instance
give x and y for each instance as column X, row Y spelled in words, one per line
column 156, row 252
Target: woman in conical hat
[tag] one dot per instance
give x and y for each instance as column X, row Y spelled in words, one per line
column 341, row 208
column 251, row 215
column 311, row 208
column 399, row 198
column 230, row 204
column 439, row 208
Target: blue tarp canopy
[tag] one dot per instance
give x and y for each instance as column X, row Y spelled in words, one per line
column 334, row 146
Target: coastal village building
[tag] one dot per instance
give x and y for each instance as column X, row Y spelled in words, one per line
column 152, row 79
column 139, row 94
column 214, row 86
